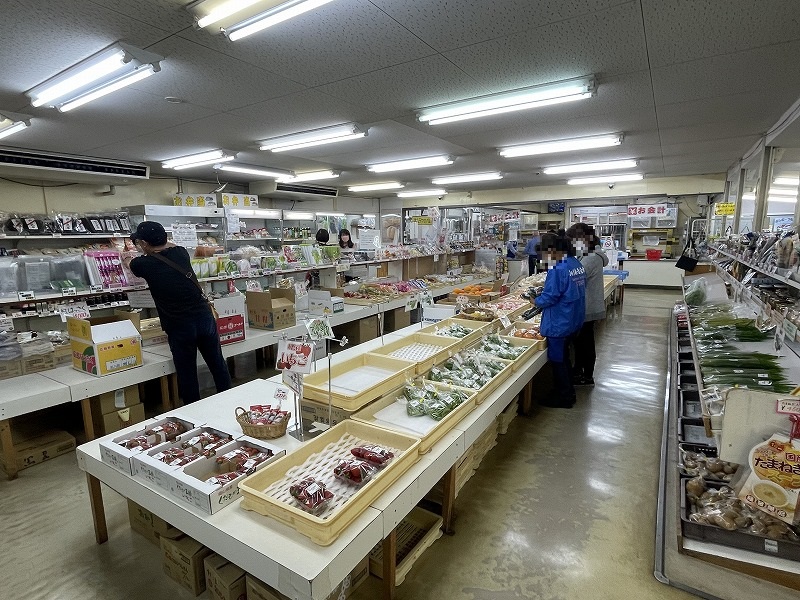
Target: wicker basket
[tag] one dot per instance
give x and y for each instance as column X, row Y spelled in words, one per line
column 262, row 432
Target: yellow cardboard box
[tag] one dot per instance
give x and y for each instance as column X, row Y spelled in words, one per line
column 40, row 448
column 104, row 345
column 124, row 417
column 271, row 309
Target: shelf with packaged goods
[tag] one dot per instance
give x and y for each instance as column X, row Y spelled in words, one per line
column 36, row 315
column 763, row 270
column 253, row 239
column 78, row 294
column 56, row 236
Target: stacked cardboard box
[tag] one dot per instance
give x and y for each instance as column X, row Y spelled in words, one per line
column 183, row 559
column 147, row 524
column 224, row 580
column 116, row 410
column 40, row 447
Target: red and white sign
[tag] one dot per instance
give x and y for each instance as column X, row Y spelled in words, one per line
column 647, row 210
column 230, row 329
column 295, row 356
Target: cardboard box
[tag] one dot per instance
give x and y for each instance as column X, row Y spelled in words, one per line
column 224, row 580
column 13, row 368
column 230, row 329
column 62, row 355
column 358, row 332
column 149, row 329
column 230, row 305
column 188, row 485
column 258, row 590
column 37, row 363
column 318, row 412
column 396, row 319
column 104, row 345
column 326, row 301
column 120, row 419
column 148, row 524
column 271, row 309
column 183, row 561
column 121, row 458
column 42, row 447
column 119, row 399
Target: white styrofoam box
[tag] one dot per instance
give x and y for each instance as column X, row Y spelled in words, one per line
column 230, row 305
column 149, row 468
column 188, row 484
column 119, row 457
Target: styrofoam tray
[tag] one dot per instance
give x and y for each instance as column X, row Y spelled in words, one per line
column 267, row 491
column 441, row 348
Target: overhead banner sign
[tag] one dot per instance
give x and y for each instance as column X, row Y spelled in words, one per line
column 724, row 208
column 647, row 210
column 422, row 220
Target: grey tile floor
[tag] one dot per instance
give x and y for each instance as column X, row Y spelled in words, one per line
column 562, row 508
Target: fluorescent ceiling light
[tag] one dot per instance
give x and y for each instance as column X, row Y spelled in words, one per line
column 605, row 179
column 254, row 170
column 368, row 216
column 748, row 196
column 609, row 165
column 105, row 72
column 520, row 99
column 316, row 137
column 792, row 192
column 374, row 187
column 330, row 214
column 420, row 193
column 584, row 143
column 310, row 176
column 273, row 16
column 111, row 86
column 467, row 178
column 202, row 158
column 786, row 181
column 11, row 123
column 257, row 212
column 298, row 216
column 781, row 200
column 225, row 10
column 414, row 163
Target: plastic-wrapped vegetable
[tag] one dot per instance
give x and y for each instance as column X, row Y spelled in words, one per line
column 354, row 471
column 436, row 409
column 373, row 453
column 695, row 294
column 310, row 493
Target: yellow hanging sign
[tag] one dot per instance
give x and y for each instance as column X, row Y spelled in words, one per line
column 422, row 220
column 724, row 208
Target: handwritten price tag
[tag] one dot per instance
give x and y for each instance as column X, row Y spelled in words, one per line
column 788, row 406
column 28, row 295
column 69, row 291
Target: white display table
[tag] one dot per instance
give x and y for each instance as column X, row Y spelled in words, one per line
column 656, row 273
column 276, row 553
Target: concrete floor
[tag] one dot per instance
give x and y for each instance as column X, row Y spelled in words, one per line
column 563, row 508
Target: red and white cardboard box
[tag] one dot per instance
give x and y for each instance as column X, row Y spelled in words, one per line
column 121, row 458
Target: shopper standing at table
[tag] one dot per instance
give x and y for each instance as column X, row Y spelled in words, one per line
column 593, row 259
column 322, row 237
column 185, row 312
column 530, row 251
column 563, row 304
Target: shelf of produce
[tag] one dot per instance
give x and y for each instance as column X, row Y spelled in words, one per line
column 57, row 314
column 78, row 294
column 764, row 271
column 55, row 236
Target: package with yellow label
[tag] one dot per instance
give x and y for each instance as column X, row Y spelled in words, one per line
column 773, row 485
column 104, row 345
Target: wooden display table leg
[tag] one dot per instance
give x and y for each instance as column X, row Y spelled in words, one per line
column 166, row 403
column 389, row 565
column 527, row 398
column 448, row 502
column 88, row 423
column 98, row 510
column 9, row 455
column 173, row 387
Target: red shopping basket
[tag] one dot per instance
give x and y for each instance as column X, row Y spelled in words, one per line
column 653, row 254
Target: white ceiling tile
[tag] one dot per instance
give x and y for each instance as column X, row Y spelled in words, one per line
column 207, row 78
column 170, row 15
column 51, row 36
column 789, row 137
column 707, row 132
column 445, row 26
column 301, row 111
column 402, row 88
column 713, row 149
column 606, row 42
column 338, row 40
column 680, row 30
column 744, row 109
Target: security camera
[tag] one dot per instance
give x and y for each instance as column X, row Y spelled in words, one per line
column 441, row 198
column 611, row 186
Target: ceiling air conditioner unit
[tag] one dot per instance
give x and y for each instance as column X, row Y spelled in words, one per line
column 37, row 165
column 317, row 190
column 294, row 191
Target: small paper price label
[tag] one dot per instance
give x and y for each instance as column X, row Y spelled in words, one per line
column 790, row 329
column 27, row 295
column 69, row 291
column 6, row 323
column 96, row 289
column 412, row 303
column 788, row 406
column 281, row 394
column 253, row 285
column 505, row 321
column 294, row 380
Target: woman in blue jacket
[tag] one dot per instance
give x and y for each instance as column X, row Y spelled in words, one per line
column 563, row 304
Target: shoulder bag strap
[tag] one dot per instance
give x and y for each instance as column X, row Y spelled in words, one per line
column 188, row 274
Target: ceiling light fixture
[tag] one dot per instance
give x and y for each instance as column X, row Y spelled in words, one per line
column 277, row 14
column 582, row 143
column 606, row 179
column 467, row 178
column 224, row 10
column 786, row 181
column 198, row 160
column 109, row 70
column 314, row 137
column 11, row 123
column 257, row 212
column 421, row 193
column 791, row 192
column 414, row 163
column 330, row 214
column 748, row 196
column 520, row 99
column 609, row 165
column 368, row 216
column 310, row 176
column 254, row 170
column 298, row 215
column 374, row 187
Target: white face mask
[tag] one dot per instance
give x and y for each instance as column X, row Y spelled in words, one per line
column 581, row 248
